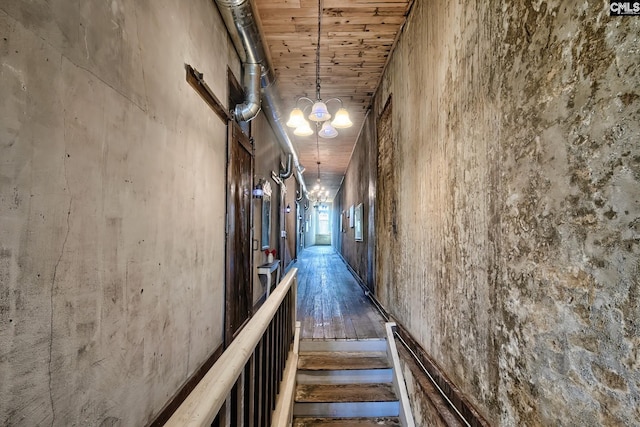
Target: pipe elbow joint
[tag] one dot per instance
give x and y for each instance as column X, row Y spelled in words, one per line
column 250, row 108
column 247, row 111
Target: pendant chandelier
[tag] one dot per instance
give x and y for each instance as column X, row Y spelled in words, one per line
column 319, row 112
column 318, row 193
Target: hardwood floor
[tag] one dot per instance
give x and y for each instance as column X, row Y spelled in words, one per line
column 331, row 304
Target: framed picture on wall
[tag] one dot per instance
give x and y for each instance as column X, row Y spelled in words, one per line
column 350, row 215
column 358, row 223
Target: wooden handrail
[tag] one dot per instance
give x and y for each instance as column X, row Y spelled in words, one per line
column 204, row 402
column 283, row 414
column 406, row 416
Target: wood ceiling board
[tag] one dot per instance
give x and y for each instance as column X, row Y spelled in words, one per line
column 281, row 3
column 364, row 10
column 357, row 36
column 360, row 34
column 351, row 19
column 358, row 3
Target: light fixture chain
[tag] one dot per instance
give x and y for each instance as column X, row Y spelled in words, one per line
column 318, row 154
column 318, row 51
column 319, row 113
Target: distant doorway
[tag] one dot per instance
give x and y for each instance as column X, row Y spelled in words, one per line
column 323, row 231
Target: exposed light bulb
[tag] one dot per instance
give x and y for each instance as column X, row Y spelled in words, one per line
column 304, row 129
column 296, row 118
column 327, row 131
column 319, row 112
column 342, row 120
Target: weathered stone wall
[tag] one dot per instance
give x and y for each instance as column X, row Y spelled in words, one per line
column 111, row 207
column 517, row 178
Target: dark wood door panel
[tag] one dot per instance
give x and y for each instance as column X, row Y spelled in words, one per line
column 239, row 256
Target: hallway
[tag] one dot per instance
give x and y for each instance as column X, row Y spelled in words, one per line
column 487, row 193
column 331, row 304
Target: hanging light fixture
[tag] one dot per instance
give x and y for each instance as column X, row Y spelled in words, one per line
column 319, row 112
column 318, row 193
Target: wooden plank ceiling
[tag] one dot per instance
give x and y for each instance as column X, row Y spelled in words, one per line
column 356, row 39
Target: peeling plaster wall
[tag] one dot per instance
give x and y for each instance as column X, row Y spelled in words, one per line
column 517, row 179
column 358, row 187
column 111, row 207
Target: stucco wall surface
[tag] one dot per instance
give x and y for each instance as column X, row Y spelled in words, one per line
column 517, row 179
column 111, row 226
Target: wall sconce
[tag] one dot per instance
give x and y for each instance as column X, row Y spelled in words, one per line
column 258, row 190
column 287, row 209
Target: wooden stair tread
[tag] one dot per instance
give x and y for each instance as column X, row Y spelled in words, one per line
column 315, row 393
column 346, row 422
column 329, row 360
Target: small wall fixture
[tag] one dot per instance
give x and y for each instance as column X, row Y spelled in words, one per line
column 287, row 209
column 258, row 190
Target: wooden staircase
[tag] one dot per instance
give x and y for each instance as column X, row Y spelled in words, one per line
column 345, row 383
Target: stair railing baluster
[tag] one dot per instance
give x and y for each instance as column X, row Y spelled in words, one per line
column 252, row 363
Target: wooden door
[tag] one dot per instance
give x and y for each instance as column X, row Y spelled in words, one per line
column 239, row 233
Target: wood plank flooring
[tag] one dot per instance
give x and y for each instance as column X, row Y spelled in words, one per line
column 331, row 304
column 347, row 422
column 345, row 393
column 327, row 360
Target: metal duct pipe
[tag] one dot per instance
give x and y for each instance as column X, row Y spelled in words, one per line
column 243, row 24
column 251, row 106
column 272, row 108
column 284, row 174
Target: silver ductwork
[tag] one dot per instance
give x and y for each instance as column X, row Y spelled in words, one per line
column 250, row 108
column 243, row 24
column 288, row 171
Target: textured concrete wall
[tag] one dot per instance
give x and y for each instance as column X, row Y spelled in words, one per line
column 111, row 207
column 269, row 157
column 518, row 192
column 310, row 218
column 289, row 223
